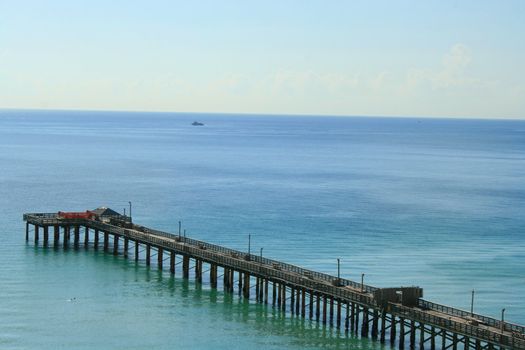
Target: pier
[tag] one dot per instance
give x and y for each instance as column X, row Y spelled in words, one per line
column 397, row 316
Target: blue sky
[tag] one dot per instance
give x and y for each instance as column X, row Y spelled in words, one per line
column 385, row 58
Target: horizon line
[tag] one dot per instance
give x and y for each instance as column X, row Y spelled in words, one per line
column 253, row 114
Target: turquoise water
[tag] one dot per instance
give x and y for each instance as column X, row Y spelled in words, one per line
column 434, row 203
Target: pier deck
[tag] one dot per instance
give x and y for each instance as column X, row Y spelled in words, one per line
column 394, row 315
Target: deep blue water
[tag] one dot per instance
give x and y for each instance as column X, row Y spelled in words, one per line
column 428, row 202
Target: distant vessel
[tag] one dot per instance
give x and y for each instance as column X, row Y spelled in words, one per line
column 197, row 123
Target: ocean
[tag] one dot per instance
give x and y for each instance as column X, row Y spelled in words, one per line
column 436, row 203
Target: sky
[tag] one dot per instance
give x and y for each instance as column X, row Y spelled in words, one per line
column 359, row 58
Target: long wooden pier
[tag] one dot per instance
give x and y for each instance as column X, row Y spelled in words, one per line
column 396, row 316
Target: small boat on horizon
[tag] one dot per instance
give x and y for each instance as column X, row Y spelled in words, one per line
column 196, row 123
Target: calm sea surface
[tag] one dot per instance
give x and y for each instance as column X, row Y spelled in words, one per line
column 434, row 203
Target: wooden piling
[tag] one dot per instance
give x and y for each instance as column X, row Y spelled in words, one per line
column 36, row 234
column 357, row 311
column 347, row 317
column 86, row 237
column 46, row 235
column 115, row 244
column 283, row 298
column 324, row 308
column 95, row 243
column 393, row 330
column 274, row 292
column 160, row 258
column 56, row 235
column 27, row 231
column 266, row 282
column 257, row 286
column 421, row 336
column 292, row 300
column 412, row 334
column 148, row 254
column 331, row 311
column 352, row 316
column 76, row 236
column 106, row 241
column 225, row 276
column 246, row 286
column 303, row 303
column 66, row 237
column 375, row 323
column 338, row 320
column 311, row 306
column 401, row 333
column 186, row 269
column 317, row 307
column 126, row 247
column 383, row 327
column 172, row 268
column 213, row 275
column 364, row 326
column 137, row 252
column 279, row 295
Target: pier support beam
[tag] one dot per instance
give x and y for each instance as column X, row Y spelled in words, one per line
column 246, row 286
column 402, row 333
column 115, row 244
column 126, row 247
column 27, row 231
column 383, row 327
column 325, row 301
column 86, row 237
column 364, row 326
column 393, row 330
column 317, row 307
column 421, row 336
column 172, row 268
column 106, row 241
column 433, row 338
column 338, row 322
column 148, row 254
column 357, row 311
column 46, row 235
column 266, row 282
column 36, row 234
column 352, row 317
column 412, row 334
column 198, row 270
column 213, row 276
column 160, row 259
column 311, row 306
column 95, row 243
column 331, row 311
column 66, row 236
column 225, row 277
column 56, row 235
column 186, row 267
column 375, row 323
column 303, row 303
column 279, row 295
column 76, row 236
column 137, row 253
column 283, row 297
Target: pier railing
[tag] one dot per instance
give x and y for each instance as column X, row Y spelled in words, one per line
column 489, row 321
column 278, row 264
column 513, row 341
